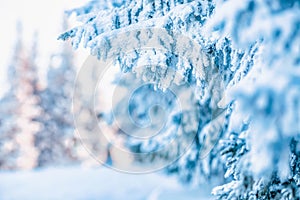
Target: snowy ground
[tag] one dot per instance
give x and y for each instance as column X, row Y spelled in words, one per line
column 89, row 184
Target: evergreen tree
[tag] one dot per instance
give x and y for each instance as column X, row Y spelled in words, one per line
column 56, row 140
column 245, row 51
column 261, row 152
column 135, row 13
column 19, row 108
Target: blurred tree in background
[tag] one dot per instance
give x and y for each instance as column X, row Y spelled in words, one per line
column 19, row 108
column 36, row 123
column 55, row 141
column 37, row 127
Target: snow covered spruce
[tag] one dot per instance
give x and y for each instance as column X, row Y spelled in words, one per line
column 248, row 74
column 36, row 122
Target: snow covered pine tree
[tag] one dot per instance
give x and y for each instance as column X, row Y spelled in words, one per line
column 262, row 151
column 19, row 108
column 55, row 141
column 244, row 46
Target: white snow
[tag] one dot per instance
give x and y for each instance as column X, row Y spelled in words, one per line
column 93, row 183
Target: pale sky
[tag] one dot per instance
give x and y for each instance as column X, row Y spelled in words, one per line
column 42, row 16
